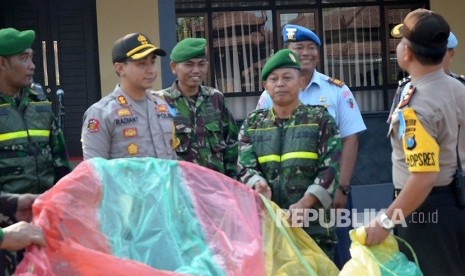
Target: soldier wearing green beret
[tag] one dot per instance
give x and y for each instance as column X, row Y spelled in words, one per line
column 290, row 152
column 33, row 154
column 33, row 150
column 205, row 128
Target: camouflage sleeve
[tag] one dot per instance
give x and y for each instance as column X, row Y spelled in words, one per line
column 230, row 137
column 247, row 163
column 60, row 157
column 329, row 152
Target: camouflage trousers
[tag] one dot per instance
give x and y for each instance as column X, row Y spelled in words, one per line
column 323, row 233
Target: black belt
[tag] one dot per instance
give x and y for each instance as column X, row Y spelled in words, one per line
column 436, row 190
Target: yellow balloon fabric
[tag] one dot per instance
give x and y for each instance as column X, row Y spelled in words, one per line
column 382, row 259
column 289, row 250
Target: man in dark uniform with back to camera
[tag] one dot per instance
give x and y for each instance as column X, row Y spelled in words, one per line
column 427, row 132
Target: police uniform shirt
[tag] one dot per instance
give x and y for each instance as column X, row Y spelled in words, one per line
column 438, row 105
column 117, row 127
column 461, row 78
column 339, row 101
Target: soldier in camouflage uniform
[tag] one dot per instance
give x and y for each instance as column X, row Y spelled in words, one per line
column 32, row 148
column 205, row 128
column 33, row 154
column 290, row 152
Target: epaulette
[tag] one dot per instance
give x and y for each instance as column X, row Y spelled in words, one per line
column 461, row 78
column 406, row 97
column 316, row 106
column 158, row 93
column 336, row 82
column 404, row 81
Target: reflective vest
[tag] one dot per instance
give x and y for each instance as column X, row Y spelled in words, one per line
column 25, row 155
column 288, row 146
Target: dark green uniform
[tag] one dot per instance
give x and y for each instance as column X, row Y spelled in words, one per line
column 295, row 157
column 33, row 154
column 205, row 128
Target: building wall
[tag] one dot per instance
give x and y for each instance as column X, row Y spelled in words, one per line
column 116, row 18
column 452, row 10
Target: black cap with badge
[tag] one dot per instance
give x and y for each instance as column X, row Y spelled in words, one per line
column 133, row 47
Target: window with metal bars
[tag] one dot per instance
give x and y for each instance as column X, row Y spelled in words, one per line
column 357, row 46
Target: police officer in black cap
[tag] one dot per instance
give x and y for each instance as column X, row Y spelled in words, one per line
column 427, row 136
column 133, row 120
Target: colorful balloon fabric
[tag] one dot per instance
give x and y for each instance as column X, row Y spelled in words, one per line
column 146, row 216
column 378, row 260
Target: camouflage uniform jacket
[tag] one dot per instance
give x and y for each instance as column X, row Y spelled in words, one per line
column 295, row 157
column 206, row 129
column 32, row 148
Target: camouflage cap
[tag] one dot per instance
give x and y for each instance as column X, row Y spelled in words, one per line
column 134, row 46
column 189, row 48
column 282, row 59
column 13, row 42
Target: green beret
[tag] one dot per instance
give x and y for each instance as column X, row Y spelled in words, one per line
column 189, row 48
column 13, row 42
column 282, row 59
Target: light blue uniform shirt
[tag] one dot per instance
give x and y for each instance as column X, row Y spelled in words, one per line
column 339, row 101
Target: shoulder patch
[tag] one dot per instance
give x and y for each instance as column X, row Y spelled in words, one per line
column 407, row 97
column 336, row 82
column 93, row 125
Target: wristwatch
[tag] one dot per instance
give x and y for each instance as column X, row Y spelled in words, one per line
column 386, row 222
column 345, row 189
